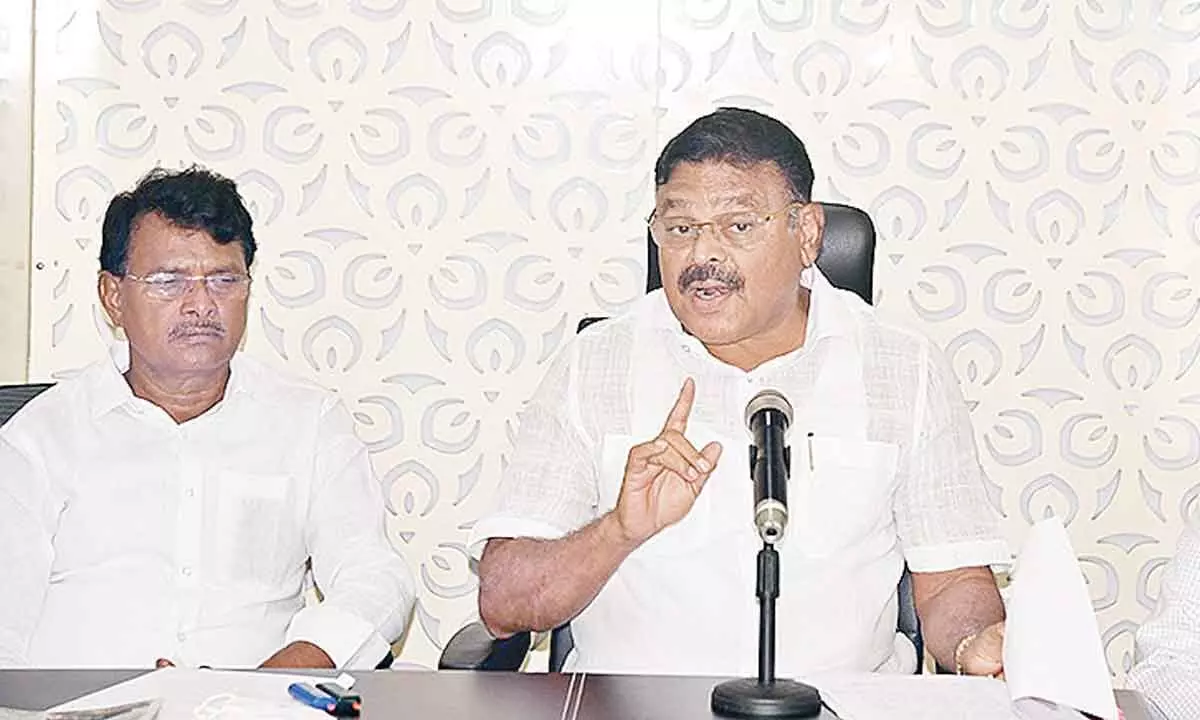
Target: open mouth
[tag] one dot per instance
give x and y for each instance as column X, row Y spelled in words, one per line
column 709, row 291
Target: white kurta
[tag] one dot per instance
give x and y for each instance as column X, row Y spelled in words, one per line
column 889, row 474
column 126, row 537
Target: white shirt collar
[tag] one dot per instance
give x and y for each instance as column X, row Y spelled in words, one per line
column 828, row 310
column 110, row 390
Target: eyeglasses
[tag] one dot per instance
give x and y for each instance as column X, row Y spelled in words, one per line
column 736, row 229
column 172, row 286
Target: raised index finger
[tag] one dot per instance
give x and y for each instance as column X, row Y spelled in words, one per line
column 677, row 419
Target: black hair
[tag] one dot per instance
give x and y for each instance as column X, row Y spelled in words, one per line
column 195, row 199
column 740, row 137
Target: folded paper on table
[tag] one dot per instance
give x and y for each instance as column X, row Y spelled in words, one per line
column 188, row 694
column 1052, row 647
column 915, row 697
column 144, row 710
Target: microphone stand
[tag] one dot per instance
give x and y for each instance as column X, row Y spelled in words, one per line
column 766, row 697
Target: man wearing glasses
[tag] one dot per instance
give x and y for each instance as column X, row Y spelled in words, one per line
column 625, row 508
column 164, row 504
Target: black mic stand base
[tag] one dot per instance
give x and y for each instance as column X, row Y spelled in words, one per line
column 747, row 698
column 766, row 696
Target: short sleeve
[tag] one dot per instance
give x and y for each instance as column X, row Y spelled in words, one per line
column 1167, row 670
column 549, row 487
column 941, row 507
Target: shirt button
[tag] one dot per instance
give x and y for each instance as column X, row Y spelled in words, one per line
column 190, row 492
column 181, row 636
column 187, row 571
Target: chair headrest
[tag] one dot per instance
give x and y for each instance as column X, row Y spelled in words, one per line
column 847, row 252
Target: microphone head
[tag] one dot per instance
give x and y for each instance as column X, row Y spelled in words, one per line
column 768, row 400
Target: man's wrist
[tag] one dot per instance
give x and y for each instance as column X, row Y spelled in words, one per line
column 614, row 532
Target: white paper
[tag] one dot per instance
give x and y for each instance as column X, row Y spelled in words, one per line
column 1052, row 647
column 915, row 697
column 142, row 710
column 189, row 694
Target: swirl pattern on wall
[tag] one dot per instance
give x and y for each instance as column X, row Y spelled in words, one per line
column 444, row 188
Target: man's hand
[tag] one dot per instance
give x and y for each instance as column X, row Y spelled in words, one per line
column 529, row 583
column 299, row 654
column 663, row 477
column 984, row 653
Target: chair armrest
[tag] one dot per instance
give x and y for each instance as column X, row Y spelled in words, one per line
column 474, row 648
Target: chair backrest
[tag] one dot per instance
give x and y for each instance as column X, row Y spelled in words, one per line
column 847, row 252
column 14, row 397
column 847, row 258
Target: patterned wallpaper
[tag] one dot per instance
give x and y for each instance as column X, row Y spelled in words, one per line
column 443, row 187
column 16, row 57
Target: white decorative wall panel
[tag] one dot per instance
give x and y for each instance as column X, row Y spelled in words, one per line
column 443, row 187
column 16, row 61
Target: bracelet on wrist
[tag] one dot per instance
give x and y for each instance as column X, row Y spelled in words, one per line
column 958, row 651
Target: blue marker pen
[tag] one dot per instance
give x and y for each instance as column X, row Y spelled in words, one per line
column 312, row 697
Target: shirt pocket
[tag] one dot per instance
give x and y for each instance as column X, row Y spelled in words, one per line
column 686, row 536
column 844, row 493
column 257, row 540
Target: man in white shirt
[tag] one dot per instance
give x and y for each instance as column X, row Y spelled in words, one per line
column 1168, row 643
column 626, row 507
column 163, row 504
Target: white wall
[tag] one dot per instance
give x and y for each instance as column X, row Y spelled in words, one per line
column 443, row 188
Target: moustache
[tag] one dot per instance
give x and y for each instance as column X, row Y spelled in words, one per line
column 731, row 279
column 196, row 328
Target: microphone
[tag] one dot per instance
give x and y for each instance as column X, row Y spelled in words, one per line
column 768, row 415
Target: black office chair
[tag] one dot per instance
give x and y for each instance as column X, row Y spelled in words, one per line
column 14, row 397
column 847, row 258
